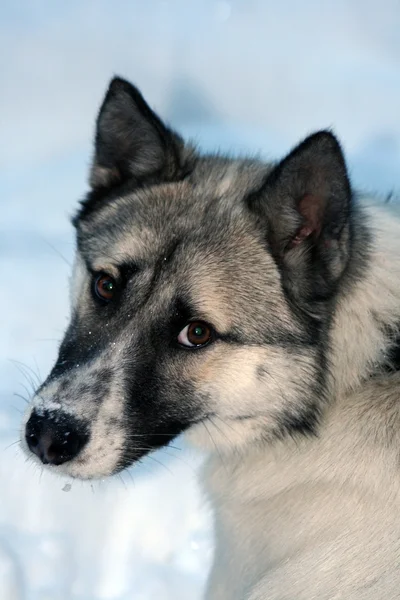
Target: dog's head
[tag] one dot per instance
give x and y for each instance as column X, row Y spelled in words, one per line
column 201, row 296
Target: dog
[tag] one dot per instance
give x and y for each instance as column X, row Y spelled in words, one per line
column 254, row 307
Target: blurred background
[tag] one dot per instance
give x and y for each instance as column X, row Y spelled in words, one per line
column 239, row 76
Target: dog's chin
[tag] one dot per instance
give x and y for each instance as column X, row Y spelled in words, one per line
column 78, row 468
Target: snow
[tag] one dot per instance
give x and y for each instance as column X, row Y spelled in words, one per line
column 248, row 75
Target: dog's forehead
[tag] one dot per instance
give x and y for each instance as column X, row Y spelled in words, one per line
column 149, row 222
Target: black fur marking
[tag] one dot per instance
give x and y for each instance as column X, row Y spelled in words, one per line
column 393, row 363
column 78, row 348
column 391, row 360
column 246, row 417
column 99, row 389
column 128, row 269
column 302, row 423
column 170, row 251
column 182, row 313
column 262, row 371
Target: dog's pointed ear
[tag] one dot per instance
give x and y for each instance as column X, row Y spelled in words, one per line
column 131, row 141
column 306, row 201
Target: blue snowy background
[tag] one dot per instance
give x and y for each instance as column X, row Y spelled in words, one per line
column 239, row 75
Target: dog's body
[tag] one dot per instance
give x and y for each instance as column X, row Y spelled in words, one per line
column 318, row 518
column 255, row 307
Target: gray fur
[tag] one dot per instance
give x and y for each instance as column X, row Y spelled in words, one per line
column 300, row 283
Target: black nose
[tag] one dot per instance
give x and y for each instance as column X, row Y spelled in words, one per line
column 54, row 441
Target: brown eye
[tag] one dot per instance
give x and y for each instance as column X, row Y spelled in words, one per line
column 195, row 334
column 105, row 287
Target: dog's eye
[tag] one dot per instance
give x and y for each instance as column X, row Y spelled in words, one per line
column 104, row 287
column 195, row 334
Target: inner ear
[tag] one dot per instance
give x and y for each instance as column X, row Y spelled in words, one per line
column 307, row 195
column 311, row 209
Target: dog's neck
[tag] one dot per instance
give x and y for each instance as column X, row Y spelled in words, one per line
column 367, row 316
